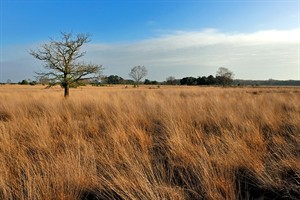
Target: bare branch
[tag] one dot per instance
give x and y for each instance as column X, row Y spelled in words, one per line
column 60, row 57
column 137, row 73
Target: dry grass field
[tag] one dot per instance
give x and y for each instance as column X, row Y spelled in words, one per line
column 140, row 143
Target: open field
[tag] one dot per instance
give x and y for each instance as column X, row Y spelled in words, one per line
column 141, row 143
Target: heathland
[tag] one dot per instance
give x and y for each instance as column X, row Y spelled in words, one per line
column 149, row 143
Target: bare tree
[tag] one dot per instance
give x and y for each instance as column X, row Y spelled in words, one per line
column 137, row 73
column 171, row 80
column 8, row 81
column 61, row 58
column 224, row 76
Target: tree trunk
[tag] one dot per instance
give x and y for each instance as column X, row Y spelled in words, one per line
column 66, row 90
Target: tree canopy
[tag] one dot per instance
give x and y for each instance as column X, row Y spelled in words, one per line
column 62, row 62
column 224, row 76
column 137, row 73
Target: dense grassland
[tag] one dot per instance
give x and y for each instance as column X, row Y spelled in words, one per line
column 141, row 143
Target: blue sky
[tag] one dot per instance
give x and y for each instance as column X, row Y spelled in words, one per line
column 256, row 39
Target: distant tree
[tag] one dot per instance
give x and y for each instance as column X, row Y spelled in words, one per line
column 24, row 82
column 8, row 81
column 32, row 83
column 43, row 80
column 154, row 82
column 114, row 79
column 224, row 76
column 188, row 81
column 202, row 80
column 137, row 73
column 61, row 58
column 171, row 80
column 211, row 80
column 129, row 82
column 102, row 80
column 147, row 82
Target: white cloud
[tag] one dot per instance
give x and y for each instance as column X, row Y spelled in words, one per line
column 258, row 55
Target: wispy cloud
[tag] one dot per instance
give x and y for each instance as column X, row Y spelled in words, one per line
column 258, row 55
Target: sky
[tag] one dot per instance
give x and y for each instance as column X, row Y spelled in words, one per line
column 256, row 39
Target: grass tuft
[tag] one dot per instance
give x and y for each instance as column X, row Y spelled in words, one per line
column 167, row 143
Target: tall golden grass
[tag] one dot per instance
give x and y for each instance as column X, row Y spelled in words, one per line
column 141, row 143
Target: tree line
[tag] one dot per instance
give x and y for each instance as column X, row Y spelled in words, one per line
column 63, row 67
column 201, row 80
column 223, row 77
column 171, row 80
